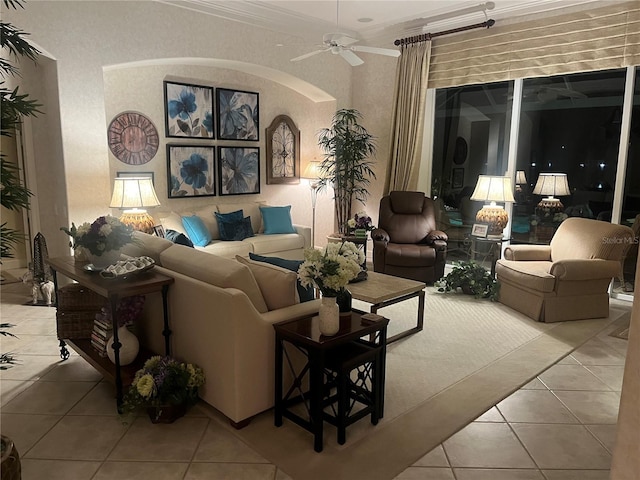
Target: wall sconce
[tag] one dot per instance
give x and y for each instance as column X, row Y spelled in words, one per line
column 493, row 189
column 134, row 194
column 552, row 184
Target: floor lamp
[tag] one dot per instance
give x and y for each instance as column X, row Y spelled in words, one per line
column 312, row 174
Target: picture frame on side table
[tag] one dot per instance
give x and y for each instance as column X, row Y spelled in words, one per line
column 191, row 171
column 238, row 114
column 480, row 230
column 238, row 170
column 188, row 110
column 158, row 230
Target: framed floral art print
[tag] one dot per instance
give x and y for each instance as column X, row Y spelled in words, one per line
column 238, row 170
column 238, row 115
column 190, row 171
column 188, row 110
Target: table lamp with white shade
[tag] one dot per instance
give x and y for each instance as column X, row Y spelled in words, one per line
column 312, row 174
column 133, row 195
column 493, row 189
column 552, row 184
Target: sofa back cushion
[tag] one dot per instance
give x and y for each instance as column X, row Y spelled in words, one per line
column 145, row 244
column 173, row 221
column 277, row 284
column 206, row 214
column 306, row 294
column 585, row 238
column 210, row 268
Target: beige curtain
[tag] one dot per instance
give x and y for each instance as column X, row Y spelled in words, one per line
column 588, row 40
column 408, row 117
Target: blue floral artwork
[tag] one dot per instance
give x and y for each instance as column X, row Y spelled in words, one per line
column 188, row 110
column 238, row 115
column 238, row 170
column 190, row 171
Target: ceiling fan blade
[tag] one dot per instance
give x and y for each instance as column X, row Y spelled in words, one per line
column 310, row 54
column 351, row 57
column 380, row 51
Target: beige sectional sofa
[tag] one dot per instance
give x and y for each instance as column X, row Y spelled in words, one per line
column 287, row 245
column 219, row 320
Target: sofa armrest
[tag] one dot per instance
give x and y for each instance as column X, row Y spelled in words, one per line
column 539, row 253
column 306, row 233
column 584, row 269
column 294, row 311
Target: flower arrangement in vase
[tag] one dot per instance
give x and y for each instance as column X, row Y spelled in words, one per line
column 166, row 387
column 360, row 224
column 330, row 270
column 101, row 240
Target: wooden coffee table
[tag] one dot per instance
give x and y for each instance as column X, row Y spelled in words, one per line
column 382, row 290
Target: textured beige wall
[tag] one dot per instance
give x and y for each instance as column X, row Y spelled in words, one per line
column 86, row 37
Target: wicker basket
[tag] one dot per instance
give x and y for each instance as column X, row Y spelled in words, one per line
column 77, row 308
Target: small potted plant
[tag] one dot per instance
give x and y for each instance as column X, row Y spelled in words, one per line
column 360, row 224
column 165, row 387
column 471, row 278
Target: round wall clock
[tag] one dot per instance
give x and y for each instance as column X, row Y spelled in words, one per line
column 133, row 138
column 283, row 151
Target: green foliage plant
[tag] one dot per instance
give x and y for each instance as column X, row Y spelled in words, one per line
column 14, row 105
column 347, row 147
column 471, row 278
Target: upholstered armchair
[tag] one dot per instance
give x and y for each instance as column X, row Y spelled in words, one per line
column 568, row 279
column 406, row 242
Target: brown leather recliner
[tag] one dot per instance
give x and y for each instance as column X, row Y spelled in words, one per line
column 406, row 242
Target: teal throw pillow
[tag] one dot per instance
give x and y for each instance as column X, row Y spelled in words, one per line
column 196, row 229
column 234, row 230
column 305, row 293
column 277, row 220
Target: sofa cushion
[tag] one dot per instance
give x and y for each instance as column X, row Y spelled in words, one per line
column 227, row 249
column 173, row 221
column 305, row 294
column 250, row 209
column 277, row 220
column 145, row 244
column 197, row 232
column 233, row 228
column 266, row 244
column 177, row 237
column 278, row 285
column 533, row 274
column 213, row 269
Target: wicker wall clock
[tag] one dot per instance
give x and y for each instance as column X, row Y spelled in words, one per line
column 133, row 138
column 283, row 151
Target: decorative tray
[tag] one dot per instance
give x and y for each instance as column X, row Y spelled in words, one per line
column 123, row 269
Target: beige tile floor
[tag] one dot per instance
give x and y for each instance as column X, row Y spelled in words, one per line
column 560, row 426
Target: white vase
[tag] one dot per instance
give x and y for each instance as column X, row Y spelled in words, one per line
column 329, row 314
column 103, row 261
column 129, row 346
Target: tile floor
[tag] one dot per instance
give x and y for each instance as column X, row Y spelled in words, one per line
column 560, row 426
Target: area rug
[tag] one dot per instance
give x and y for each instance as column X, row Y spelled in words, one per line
column 471, row 354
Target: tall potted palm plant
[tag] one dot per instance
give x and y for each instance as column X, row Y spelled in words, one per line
column 347, row 148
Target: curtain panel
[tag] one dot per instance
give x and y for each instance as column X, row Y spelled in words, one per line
column 598, row 39
column 408, row 117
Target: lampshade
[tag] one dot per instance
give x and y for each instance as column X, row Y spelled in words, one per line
column 312, row 170
column 552, row 184
column 132, row 193
column 521, row 179
column 493, row 189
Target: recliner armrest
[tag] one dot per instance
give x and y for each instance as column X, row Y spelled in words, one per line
column 540, row 253
column 437, row 235
column 584, row 269
column 379, row 235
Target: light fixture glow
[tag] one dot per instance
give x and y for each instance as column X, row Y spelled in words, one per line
column 493, row 189
column 133, row 195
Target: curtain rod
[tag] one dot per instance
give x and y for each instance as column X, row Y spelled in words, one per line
column 428, row 36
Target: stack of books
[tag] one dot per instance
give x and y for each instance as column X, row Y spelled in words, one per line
column 102, row 331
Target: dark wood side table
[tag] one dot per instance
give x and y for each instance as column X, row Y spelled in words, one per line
column 304, row 334
column 113, row 290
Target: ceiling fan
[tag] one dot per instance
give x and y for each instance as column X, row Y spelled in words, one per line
column 341, row 44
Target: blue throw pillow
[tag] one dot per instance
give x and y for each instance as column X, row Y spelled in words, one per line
column 277, row 220
column 197, row 230
column 177, row 237
column 235, row 230
column 305, row 294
